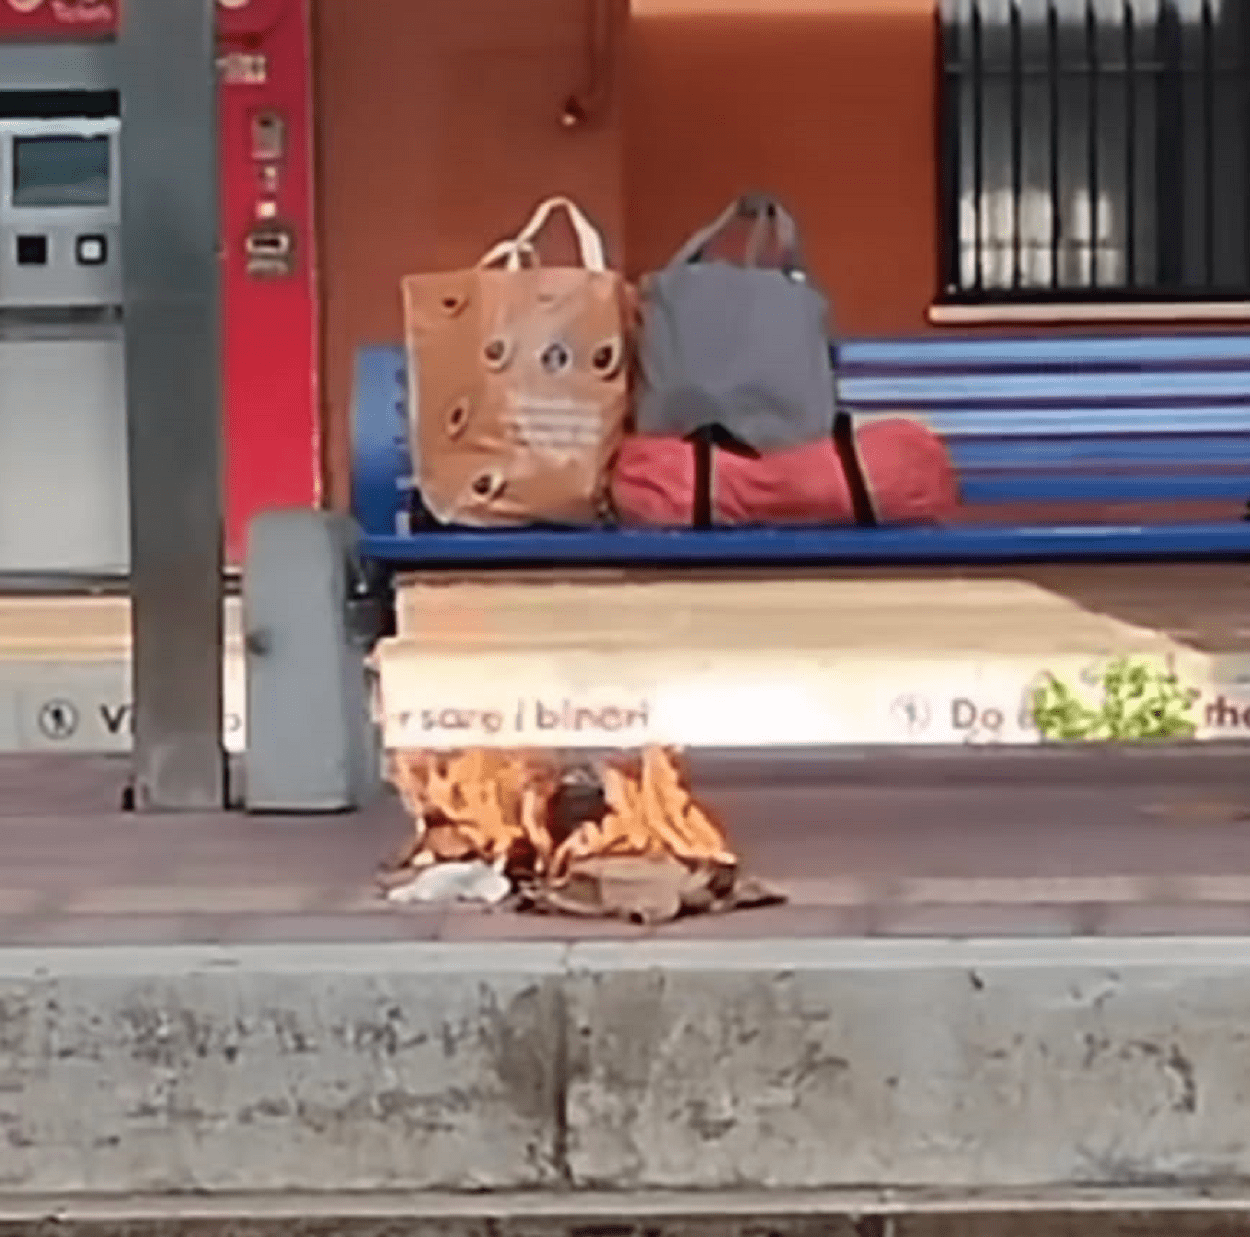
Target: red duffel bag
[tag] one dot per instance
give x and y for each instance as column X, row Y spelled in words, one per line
column 906, row 469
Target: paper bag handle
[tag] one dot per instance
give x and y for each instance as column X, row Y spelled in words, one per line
column 513, row 251
column 590, row 243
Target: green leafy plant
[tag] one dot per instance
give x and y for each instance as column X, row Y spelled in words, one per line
column 1139, row 701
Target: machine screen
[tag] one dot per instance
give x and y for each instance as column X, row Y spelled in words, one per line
column 60, row 171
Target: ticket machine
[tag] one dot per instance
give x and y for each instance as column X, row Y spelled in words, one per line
column 63, row 493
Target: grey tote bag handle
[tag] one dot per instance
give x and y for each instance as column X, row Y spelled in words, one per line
column 767, row 212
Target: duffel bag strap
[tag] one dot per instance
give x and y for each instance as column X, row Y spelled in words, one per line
column 853, row 470
column 703, row 447
column 862, row 506
column 703, row 442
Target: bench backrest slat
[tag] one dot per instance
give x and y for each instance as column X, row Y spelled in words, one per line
column 1024, row 453
column 957, row 390
column 1073, row 423
column 1083, row 354
column 1122, row 390
column 982, row 489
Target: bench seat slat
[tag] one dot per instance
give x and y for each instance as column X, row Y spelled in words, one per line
column 794, row 546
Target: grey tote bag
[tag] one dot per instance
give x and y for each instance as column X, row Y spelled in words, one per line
column 743, row 346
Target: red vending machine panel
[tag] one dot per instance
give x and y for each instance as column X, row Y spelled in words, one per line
column 57, row 19
column 269, row 287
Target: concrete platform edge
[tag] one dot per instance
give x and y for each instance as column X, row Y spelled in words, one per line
column 743, row 957
column 1028, row 1068
column 586, row 1205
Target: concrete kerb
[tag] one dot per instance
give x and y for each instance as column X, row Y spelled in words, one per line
column 744, row 1068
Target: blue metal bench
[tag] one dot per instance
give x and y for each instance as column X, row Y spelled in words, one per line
column 1049, row 422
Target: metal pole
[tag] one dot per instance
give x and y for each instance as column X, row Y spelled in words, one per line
column 173, row 376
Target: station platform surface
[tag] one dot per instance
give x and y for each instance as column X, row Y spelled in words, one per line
column 1004, row 972
column 918, row 842
column 1002, row 975
column 995, row 609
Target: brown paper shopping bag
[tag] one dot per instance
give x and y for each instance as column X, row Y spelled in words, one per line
column 520, row 382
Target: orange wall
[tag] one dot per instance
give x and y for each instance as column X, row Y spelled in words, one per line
column 439, row 129
column 827, row 103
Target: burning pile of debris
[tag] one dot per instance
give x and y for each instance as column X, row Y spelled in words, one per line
column 622, row 837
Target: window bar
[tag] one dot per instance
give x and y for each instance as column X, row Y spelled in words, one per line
column 1052, row 77
column 1169, row 148
column 978, row 130
column 952, row 154
column 1130, row 148
column 1208, row 142
column 1091, row 65
column 1243, row 74
column 1017, row 142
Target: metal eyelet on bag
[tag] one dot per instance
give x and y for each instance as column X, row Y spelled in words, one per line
column 458, row 417
column 487, row 486
column 555, row 358
column 497, row 353
column 606, row 359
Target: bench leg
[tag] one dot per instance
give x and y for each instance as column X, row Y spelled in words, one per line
column 312, row 745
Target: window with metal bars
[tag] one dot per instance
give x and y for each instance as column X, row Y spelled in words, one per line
column 1095, row 150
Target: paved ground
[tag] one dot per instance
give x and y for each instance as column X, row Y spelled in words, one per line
column 926, row 844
